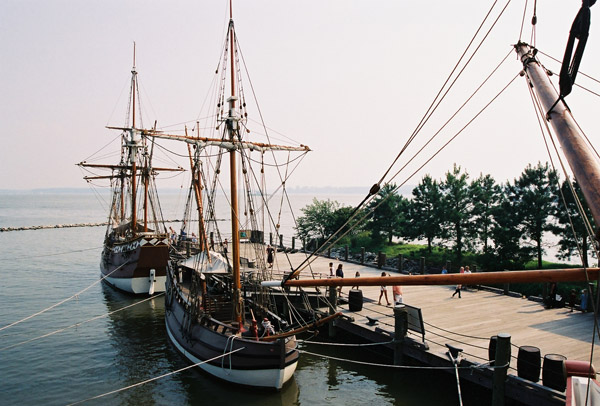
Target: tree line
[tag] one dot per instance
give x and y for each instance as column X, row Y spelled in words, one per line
column 504, row 224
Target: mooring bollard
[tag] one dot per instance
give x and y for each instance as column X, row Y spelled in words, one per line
column 332, row 308
column 400, row 331
column 501, row 369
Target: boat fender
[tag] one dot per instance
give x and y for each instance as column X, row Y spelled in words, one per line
column 152, row 280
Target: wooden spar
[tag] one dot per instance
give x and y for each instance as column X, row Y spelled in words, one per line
column 301, row 329
column 198, row 194
column 583, row 162
column 114, row 167
column 232, row 126
column 236, row 144
column 550, row 275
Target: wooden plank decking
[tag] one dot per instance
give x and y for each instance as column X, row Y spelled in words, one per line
column 477, row 316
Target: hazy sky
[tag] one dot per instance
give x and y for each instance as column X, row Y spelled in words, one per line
column 349, row 78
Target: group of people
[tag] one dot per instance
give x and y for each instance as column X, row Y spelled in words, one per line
column 396, row 289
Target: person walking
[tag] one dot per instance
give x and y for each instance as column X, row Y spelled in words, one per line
column 356, row 275
column 383, row 292
column 270, row 251
column 340, row 274
column 457, row 290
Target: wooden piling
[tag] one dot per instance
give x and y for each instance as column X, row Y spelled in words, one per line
column 332, row 308
column 400, row 260
column 400, row 331
column 501, row 369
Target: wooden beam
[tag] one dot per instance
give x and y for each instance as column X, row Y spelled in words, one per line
column 550, row 275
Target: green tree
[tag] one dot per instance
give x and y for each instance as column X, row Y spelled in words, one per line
column 424, row 212
column 318, row 220
column 388, row 214
column 457, row 207
column 535, row 198
column 485, row 197
column 505, row 235
column 577, row 235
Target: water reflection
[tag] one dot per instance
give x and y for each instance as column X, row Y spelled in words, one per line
column 143, row 351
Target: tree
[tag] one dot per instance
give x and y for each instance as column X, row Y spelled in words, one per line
column 567, row 211
column 318, row 220
column 457, row 208
column 424, row 212
column 485, row 197
column 388, row 214
column 533, row 191
column 505, row 234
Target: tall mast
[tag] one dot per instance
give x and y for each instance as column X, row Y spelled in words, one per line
column 583, row 162
column 232, row 126
column 133, row 149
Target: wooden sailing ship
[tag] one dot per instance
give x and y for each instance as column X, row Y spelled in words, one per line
column 217, row 313
column 136, row 244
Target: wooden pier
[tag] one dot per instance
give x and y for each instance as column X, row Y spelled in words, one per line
column 467, row 323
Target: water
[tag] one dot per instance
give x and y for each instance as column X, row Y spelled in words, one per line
column 41, row 268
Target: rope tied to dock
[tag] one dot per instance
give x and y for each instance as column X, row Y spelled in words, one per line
column 400, row 366
column 76, row 295
column 79, row 323
column 155, row 378
column 344, row 344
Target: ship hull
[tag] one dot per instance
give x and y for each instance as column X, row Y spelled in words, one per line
column 258, row 363
column 137, row 266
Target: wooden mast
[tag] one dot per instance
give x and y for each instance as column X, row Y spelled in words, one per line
column 583, row 162
column 133, row 150
column 232, row 126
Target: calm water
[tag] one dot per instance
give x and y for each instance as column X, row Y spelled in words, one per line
column 41, row 268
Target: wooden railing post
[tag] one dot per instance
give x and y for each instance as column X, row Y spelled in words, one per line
column 501, row 369
column 400, row 331
column 332, row 308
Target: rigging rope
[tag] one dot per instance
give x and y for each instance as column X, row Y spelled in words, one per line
column 62, row 301
column 435, row 103
column 407, row 367
column 155, row 378
column 79, row 324
column 540, row 113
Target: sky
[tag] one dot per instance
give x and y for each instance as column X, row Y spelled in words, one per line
column 351, row 79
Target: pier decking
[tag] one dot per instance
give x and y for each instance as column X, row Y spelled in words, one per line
column 468, row 322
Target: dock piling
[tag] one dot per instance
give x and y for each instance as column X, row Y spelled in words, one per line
column 501, row 369
column 400, row 331
column 332, row 308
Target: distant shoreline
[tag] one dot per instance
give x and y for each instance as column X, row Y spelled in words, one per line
column 296, row 190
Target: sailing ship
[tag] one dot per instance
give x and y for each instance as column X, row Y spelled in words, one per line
column 216, row 312
column 136, row 244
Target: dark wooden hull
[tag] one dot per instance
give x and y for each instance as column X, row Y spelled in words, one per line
column 128, row 265
column 258, row 364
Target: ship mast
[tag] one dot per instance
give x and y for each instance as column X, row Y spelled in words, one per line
column 232, row 127
column 583, row 162
column 133, row 149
